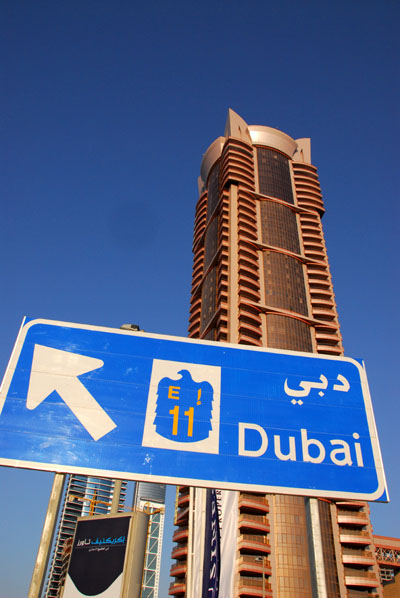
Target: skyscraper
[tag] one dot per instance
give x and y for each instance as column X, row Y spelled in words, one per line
column 261, row 277
column 84, row 496
column 151, row 498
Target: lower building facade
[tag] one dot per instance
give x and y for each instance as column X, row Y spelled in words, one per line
column 84, row 496
column 387, row 552
column 150, row 498
column 261, row 277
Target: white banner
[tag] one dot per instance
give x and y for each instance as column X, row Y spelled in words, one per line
column 228, row 520
column 197, row 555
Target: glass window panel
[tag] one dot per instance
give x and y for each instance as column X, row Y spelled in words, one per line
column 274, row 174
column 288, row 333
column 153, row 545
column 328, row 550
column 284, row 282
column 213, row 190
column 208, row 298
column 211, row 242
column 279, row 226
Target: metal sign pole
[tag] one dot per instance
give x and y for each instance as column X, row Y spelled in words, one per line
column 42, row 559
column 116, row 497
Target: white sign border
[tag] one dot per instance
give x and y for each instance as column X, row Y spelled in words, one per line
column 382, row 486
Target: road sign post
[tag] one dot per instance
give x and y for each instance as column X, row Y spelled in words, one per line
column 46, row 540
column 88, row 399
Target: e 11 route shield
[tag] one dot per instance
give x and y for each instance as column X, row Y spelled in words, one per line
column 147, row 407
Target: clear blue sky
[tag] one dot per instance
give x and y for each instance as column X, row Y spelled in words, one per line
column 107, row 108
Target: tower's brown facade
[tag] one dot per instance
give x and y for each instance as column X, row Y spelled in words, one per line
column 261, row 277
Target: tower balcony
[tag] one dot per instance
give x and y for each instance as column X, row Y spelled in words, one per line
column 313, row 243
column 231, row 174
column 306, row 168
column 361, row 594
column 306, row 190
column 328, row 350
column 349, row 517
column 247, row 210
column 310, row 219
column 199, row 227
column 248, row 317
column 196, row 280
column 320, row 283
column 179, row 552
column 361, row 578
column 184, row 497
column 332, row 343
column 307, row 178
column 309, row 201
column 325, row 315
column 246, row 236
column 254, row 564
column 247, row 337
column 327, row 339
column 247, row 228
column 194, row 330
column 195, row 303
column 312, row 238
column 198, row 256
column 248, row 259
column 315, row 254
column 248, row 326
column 304, row 185
column 248, row 279
column 182, row 516
column 252, row 543
column 178, row 569
column 253, row 523
column 199, row 231
column 317, row 274
column 249, row 270
column 236, row 168
column 248, row 292
column 177, row 589
column 354, row 505
column 246, row 199
column 354, row 556
column 320, row 302
column 354, row 537
column 311, row 230
column 320, row 276
column 324, row 328
column 254, row 586
column 181, row 535
column 253, row 503
column 324, row 293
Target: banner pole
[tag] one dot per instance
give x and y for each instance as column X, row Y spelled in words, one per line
column 43, row 555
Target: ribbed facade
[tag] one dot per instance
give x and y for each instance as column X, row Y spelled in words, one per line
column 261, row 277
column 84, row 496
column 151, row 498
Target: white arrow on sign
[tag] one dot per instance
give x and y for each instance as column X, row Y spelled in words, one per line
column 56, row 370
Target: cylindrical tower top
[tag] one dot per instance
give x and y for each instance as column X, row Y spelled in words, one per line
column 273, row 138
column 253, row 135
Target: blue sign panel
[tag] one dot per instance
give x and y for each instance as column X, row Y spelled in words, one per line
column 147, row 407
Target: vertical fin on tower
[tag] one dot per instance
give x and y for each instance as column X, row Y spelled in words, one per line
column 237, row 127
column 303, row 152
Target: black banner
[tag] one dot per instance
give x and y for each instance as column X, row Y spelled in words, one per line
column 98, row 554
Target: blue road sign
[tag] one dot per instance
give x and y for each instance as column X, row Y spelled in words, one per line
column 140, row 406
